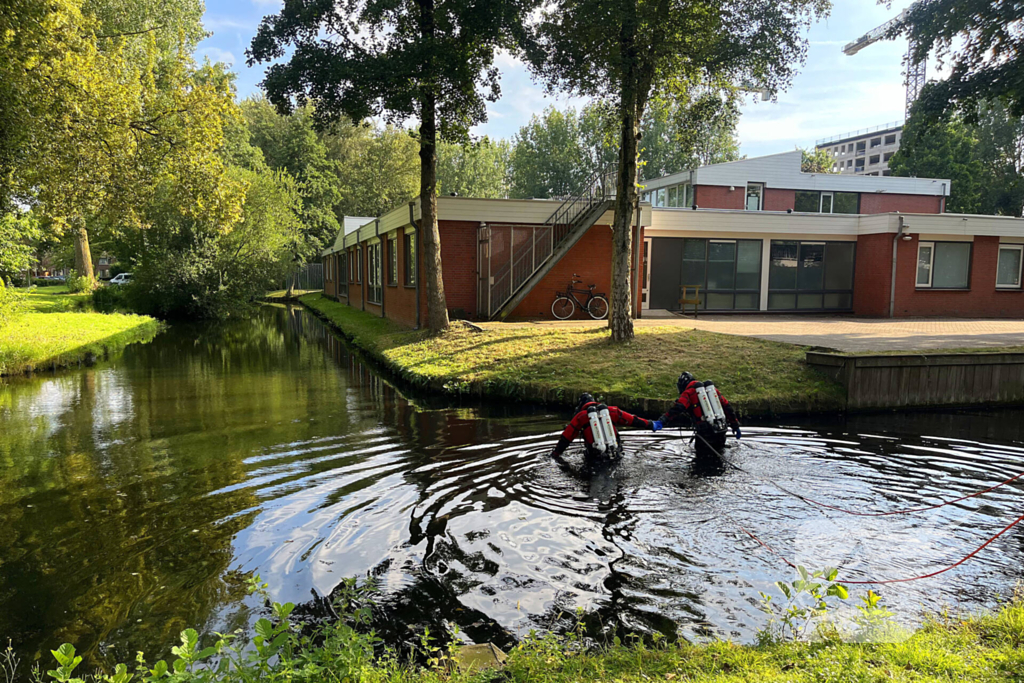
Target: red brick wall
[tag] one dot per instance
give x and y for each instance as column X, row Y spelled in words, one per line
column 719, row 197
column 355, row 289
column 872, row 278
column 591, row 258
column 779, row 200
column 881, row 202
column 458, row 264
column 330, row 287
column 982, row 300
column 400, row 299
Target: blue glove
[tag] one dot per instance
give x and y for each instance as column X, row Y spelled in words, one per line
column 656, row 426
column 736, row 431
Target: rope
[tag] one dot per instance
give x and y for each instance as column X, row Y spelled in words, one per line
column 882, row 514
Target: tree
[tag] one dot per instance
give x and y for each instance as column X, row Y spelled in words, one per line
column 695, row 127
column 982, row 160
column 549, row 157
column 476, row 169
column 628, row 51
column 18, row 234
column 432, row 59
column 380, row 171
column 985, row 46
column 816, row 161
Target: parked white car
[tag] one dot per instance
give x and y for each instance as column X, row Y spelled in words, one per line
column 121, row 279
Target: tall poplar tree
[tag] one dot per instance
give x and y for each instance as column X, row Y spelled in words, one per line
column 428, row 59
column 628, row 51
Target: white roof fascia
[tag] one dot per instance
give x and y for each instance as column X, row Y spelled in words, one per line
column 782, row 171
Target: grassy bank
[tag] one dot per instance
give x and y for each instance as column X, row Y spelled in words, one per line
column 55, row 332
column 554, row 365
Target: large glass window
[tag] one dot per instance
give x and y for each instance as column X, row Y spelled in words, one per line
column 343, row 274
column 373, row 274
column 1008, row 270
column 807, row 202
column 410, row 259
column 393, row 261
column 728, row 272
column 810, row 275
column 755, row 196
column 944, row 265
column 846, row 202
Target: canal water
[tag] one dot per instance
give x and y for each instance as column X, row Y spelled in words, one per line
column 137, row 496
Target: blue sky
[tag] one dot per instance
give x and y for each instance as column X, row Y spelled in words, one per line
column 833, row 93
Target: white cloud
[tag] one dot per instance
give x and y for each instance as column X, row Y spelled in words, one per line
column 215, row 54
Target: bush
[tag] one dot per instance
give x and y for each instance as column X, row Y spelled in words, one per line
column 77, row 285
column 111, row 299
column 12, row 303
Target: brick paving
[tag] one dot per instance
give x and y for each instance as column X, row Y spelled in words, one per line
column 842, row 334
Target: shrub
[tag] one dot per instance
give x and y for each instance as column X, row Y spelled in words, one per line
column 77, row 284
column 12, row 303
column 111, row 299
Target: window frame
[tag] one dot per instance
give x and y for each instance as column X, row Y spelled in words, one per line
column 760, row 198
column 411, row 259
column 931, row 265
column 824, row 290
column 1019, row 248
column 393, row 261
column 831, row 202
column 374, row 274
column 343, row 268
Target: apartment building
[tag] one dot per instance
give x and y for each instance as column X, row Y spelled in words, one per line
column 864, row 152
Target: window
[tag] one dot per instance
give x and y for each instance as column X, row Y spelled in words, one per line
column 887, row 156
column 1009, row 267
column 874, row 159
column 849, row 163
column 861, row 147
column 859, row 166
column 393, row 261
column 373, row 274
column 673, row 199
column 728, row 272
column 661, row 198
column 846, row 202
column 887, row 172
column 359, row 264
column 876, row 142
column 826, row 202
column 343, row 270
column 807, row 202
column 890, row 139
column 755, row 194
column 104, row 262
column 410, row 259
column 944, row 265
column 811, row 275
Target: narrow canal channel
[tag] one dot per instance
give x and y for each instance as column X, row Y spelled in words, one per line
column 137, row 496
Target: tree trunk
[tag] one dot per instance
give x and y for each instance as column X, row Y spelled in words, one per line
column 437, row 310
column 291, row 285
column 83, row 255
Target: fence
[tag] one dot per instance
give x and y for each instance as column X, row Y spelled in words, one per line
column 308, row 277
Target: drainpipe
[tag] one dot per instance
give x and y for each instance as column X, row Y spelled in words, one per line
column 416, row 265
column 381, row 273
column 892, row 283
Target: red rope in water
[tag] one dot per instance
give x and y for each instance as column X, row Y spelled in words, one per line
column 903, row 580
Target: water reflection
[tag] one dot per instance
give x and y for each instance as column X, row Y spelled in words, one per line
column 136, row 495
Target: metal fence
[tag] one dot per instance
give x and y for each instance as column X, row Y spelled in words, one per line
column 308, row 277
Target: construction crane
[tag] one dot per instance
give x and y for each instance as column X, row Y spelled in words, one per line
column 916, row 71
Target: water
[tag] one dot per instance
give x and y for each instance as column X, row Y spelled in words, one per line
column 137, row 496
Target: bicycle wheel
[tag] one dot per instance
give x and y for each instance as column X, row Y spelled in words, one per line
column 598, row 308
column 563, row 308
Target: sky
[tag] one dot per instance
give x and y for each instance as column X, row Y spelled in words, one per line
column 833, row 93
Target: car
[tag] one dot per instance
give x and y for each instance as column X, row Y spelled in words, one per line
column 121, row 279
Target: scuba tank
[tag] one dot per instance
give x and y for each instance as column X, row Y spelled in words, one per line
column 707, row 412
column 602, row 428
column 716, row 405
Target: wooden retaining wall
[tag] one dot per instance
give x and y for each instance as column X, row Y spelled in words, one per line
column 925, row 380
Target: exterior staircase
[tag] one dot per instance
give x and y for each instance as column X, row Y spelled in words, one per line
column 535, row 251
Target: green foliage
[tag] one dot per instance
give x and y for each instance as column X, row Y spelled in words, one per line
column 806, row 603
column 816, row 161
column 112, row 298
column 78, row 284
column 18, row 233
column 981, row 41
column 694, row 125
column 12, row 303
column 984, row 160
column 474, row 169
column 549, row 156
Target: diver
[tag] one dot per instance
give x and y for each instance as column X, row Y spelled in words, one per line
column 708, row 411
column 597, row 424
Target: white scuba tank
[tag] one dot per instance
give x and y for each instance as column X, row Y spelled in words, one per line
column 716, row 404
column 602, row 428
column 707, row 413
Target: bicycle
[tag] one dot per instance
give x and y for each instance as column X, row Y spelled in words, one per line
column 566, row 302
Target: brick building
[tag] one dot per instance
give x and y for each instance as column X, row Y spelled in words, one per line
column 753, row 235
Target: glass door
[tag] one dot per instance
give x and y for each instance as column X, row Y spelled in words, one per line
column 645, row 276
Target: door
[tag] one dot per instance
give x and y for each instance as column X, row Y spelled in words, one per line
column 665, row 272
column 645, row 272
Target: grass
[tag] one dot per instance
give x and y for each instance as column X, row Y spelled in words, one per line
column 556, row 364
column 51, row 334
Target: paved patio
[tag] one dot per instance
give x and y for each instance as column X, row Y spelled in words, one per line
column 843, row 334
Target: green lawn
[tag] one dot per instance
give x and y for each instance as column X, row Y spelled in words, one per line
column 51, row 333
column 555, row 364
